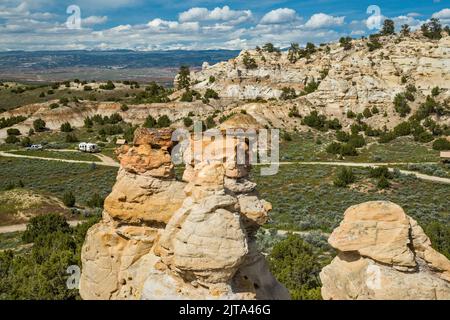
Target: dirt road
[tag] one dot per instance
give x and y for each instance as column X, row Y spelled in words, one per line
column 105, row 160
column 377, row 164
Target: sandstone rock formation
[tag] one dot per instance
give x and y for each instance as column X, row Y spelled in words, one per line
column 384, row 254
column 165, row 239
column 348, row 79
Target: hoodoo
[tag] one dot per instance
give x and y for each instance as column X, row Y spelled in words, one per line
column 165, row 239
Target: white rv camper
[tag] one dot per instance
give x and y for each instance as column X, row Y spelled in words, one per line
column 88, row 147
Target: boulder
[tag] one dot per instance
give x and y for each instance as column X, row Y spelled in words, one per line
column 383, row 254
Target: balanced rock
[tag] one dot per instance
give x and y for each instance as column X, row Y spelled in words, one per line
column 166, row 239
column 208, row 250
column 383, row 254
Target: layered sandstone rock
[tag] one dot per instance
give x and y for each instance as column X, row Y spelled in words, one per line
column 352, row 79
column 384, row 254
column 165, row 239
column 207, row 249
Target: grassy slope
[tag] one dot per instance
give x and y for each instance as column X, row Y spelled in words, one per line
column 312, row 147
column 10, row 100
column 58, row 177
column 304, row 197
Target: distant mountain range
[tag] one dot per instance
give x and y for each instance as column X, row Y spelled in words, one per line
column 117, row 59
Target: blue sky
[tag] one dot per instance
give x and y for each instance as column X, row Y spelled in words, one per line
column 199, row 24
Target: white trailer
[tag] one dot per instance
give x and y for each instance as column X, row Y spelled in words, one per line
column 88, row 147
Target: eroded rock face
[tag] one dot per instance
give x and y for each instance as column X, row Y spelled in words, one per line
column 165, row 239
column 207, row 250
column 115, row 254
column 384, row 254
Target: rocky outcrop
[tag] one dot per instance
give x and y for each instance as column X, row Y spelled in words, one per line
column 384, row 254
column 166, row 239
column 348, row 79
column 143, row 199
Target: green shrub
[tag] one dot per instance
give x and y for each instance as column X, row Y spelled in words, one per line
column 342, row 136
column 374, row 43
column 351, row 114
column 288, row 93
column 439, row 235
column 287, row 136
column 409, row 96
column 346, row 43
column 375, row 110
column 310, row 87
column 348, row 150
column 164, row 122
column 435, row 91
column 367, row 113
column 39, row 125
column 269, row 47
column 424, row 137
column 441, row 144
column 344, row 177
column 124, row 108
column 388, row 27
column 108, row 86
column 210, row 123
column 69, row 199
column 183, row 78
column 295, row 264
column 64, row 101
column 402, row 129
column 387, row 137
column 379, row 172
column 314, row 120
column 411, row 88
column 370, row 132
column 11, row 139
column 25, row 142
column 188, row 122
column 357, row 141
column 96, row 201
column 66, row 127
column 383, row 183
column 43, row 225
column 211, row 94
column 187, row 96
column 427, row 108
column 88, row 123
column 54, row 106
column 71, row 138
column 13, row 132
column 334, row 124
column 401, row 106
column 249, row 62
column 334, row 148
column 345, row 149
column 432, row 29
column 149, row 122
column 9, row 122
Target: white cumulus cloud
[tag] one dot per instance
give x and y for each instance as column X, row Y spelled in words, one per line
column 322, row 20
column 224, row 14
column 94, row 20
column 279, row 16
column 443, row 14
